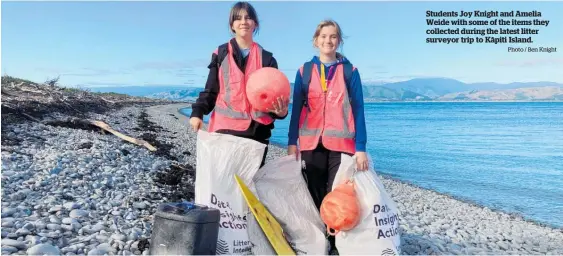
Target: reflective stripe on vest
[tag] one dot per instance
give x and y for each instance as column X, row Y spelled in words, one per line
column 345, row 134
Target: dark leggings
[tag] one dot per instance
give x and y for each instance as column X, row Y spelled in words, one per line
column 319, row 170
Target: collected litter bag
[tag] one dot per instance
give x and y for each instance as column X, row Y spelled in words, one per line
column 219, row 157
column 377, row 231
column 280, row 186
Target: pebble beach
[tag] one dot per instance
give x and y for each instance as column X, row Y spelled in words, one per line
column 78, row 191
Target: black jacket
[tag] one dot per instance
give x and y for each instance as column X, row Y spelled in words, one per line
column 207, row 98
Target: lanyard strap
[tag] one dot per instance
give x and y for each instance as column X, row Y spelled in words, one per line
column 323, row 80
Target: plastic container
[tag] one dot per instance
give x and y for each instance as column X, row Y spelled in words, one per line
column 184, row 229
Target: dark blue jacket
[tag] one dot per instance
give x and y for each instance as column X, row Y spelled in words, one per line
column 357, row 104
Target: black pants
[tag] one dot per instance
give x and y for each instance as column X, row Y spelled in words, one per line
column 319, row 171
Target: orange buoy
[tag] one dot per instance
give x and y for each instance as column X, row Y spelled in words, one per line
column 264, row 86
column 340, row 209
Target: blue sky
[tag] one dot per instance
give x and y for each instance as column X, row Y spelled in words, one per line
column 170, row 43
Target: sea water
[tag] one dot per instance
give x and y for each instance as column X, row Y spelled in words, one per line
column 506, row 156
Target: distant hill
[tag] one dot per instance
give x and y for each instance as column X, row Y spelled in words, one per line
column 430, row 87
column 370, row 92
column 384, row 93
column 425, row 89
column 546, row 93
column 137, row 90
column 186, row 93
column 495, row 86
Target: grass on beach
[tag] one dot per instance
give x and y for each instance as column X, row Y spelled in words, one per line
column 22, row 98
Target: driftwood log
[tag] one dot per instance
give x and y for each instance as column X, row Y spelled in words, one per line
column 100, row 124
column 106, row 127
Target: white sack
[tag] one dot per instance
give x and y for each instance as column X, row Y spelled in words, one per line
column 219, row 157
column 281, row 188
column 377, row 233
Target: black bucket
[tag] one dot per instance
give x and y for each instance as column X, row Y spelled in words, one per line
column 184, row 229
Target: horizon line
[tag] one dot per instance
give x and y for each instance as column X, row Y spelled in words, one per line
column 366, row 82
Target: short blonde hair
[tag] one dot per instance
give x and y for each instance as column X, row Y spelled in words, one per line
column 339, row 34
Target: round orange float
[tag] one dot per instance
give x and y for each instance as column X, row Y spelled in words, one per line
column 340, row 209
column 264, row 86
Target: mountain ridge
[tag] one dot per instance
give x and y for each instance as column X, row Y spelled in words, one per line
column 427, row 89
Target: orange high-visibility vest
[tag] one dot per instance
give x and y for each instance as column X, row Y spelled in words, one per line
column 329, row 114
column 232, row 109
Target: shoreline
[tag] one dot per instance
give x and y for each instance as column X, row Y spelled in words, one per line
column 471, row 101
column 514, row 215
column 74, row 190
column 438, row 223
column 367, row 100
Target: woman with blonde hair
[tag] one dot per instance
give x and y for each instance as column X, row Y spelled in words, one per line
column 327, row 116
